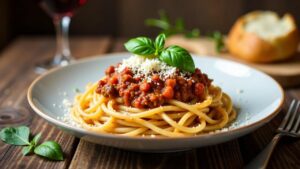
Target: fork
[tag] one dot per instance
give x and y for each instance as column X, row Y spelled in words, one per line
column 288, row 127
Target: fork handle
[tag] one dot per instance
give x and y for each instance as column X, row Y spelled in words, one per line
column 262, row 159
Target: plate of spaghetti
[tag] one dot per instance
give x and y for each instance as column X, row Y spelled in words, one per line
column 156, row 98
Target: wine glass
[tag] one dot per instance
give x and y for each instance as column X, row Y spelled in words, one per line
column 61, row 12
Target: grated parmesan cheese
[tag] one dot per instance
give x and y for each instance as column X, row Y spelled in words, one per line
column 67, row 103
column 144, row 67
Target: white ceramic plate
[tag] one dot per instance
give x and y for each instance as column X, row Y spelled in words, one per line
column 256, row 95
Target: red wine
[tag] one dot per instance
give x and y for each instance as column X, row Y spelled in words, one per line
column 60, row 7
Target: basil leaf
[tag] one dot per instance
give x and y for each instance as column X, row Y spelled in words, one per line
column 217, row 37
column 35, row 139
column 163, row 16
column 27, row 149
column 178, row 57
column 162, row 23
column 158, row 23
column 159, row 43
column 179, row 25
column 50, row 150
column 193, row 33
column 168, row 28
column 140, row 46
column 15, row 135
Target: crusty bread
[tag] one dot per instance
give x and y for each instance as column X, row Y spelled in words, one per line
column 262, row 36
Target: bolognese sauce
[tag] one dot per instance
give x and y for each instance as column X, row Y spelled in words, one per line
column 138, row 92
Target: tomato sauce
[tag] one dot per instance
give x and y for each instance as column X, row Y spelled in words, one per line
column 140, row 93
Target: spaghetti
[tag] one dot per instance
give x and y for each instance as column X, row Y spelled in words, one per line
column 98, row 113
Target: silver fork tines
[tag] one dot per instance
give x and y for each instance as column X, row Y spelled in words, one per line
column 290, row 118
column 294, row 130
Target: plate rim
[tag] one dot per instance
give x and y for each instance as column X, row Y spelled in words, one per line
column 59, row 123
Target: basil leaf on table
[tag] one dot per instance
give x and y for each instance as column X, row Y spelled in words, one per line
column 33, row 143
column 178, row 57
column 15, row 136
column 159, row 43
column 140, row 46
column 50, row 150
column 35, row 139
column 20, row 136
column 27, row 149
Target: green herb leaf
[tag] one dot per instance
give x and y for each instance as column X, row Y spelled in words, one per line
column 27, row 149
column 193, row 34
column 168, row 28
column 157, row 23
column 141, row 46
column 179, row 25
column 159, row 43
column 178, row 57
column 50, row 150
column 35, row 139
column 15, row 135
column 174, row 55
column 218, row 39
column 162, row 22
column 163, row 16
column 20, row 136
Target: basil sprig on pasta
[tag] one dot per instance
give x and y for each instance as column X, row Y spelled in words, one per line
column 173, row 55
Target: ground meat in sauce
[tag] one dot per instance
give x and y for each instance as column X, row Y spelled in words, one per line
column 139, row 93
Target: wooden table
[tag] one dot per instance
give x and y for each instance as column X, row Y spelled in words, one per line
column 17, row 63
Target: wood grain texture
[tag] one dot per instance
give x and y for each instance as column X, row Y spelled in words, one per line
column 14, row 86
column 81, row 154
column 89, row 155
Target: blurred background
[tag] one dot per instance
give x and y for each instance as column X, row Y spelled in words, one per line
column 126, row 17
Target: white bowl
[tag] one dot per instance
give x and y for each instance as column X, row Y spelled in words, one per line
column 256, row 95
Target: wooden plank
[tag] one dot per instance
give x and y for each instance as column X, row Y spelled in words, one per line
column 16, row 85
column 107, row 157
column 13, row 62
column 225, row 155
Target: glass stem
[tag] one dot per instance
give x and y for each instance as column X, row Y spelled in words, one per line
column 63, row 54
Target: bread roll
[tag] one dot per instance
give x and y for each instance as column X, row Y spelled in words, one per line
column 262, row 36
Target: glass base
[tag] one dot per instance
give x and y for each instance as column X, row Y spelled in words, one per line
column 41, row 68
